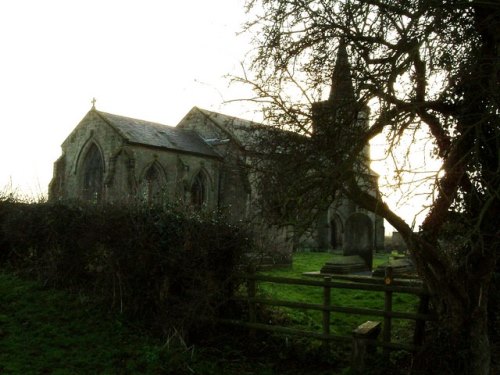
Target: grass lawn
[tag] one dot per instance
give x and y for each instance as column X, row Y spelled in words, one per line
column 341, row 323
column 44, row 331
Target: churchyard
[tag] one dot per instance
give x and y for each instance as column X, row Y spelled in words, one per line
column 340, row 323
column 108, row 289
column 62, row 332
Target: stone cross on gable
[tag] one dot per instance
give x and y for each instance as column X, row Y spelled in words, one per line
column 93, row 103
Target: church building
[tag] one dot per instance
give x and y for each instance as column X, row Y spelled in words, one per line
column 201, row 162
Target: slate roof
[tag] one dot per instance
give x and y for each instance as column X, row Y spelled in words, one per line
column 240, row 130
column 228, row 121
column 157, row 135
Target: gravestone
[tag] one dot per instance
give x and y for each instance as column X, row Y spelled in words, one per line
column 397, row 243
column 357, row 249
column 359, row 238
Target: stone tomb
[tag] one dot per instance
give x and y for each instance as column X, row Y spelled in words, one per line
column 402, row 267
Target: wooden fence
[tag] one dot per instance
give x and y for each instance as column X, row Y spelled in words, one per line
column 387, row 285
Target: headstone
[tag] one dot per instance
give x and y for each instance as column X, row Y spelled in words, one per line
column 357, row 250
column 359, row 238
column 397, row 242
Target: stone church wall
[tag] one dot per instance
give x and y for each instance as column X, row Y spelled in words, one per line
column 228, row 181
column 90, row 130
column 125, row 166
column 235, row 189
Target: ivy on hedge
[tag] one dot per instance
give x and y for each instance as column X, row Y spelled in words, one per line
column 161, row 265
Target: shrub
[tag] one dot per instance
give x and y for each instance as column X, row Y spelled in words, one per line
column 163, row 266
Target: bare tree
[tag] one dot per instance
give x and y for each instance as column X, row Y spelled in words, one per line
column 421, row 65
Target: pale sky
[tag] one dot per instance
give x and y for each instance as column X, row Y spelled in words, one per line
column 147, row 59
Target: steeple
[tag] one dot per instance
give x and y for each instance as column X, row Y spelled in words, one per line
column 342, row 88
column 341, row 111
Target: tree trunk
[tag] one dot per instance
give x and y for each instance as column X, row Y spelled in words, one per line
column 480, row 345
column 459, row 342
column 456, row 350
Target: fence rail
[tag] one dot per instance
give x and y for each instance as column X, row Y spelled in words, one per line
column 387, row 285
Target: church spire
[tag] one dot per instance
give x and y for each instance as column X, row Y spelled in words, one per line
column 341, row 109
column 342, row 88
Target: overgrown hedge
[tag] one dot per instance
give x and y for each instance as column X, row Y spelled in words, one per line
column 160, row 265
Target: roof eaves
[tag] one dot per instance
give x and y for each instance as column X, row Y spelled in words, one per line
column 216, row 155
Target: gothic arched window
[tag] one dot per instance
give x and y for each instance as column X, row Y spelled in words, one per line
column 93, row 173
column 152, row 184
column 198, row 191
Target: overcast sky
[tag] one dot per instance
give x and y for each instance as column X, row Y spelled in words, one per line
column 149, row 59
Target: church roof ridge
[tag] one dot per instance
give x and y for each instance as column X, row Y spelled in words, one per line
column 230, row 120
column 154, row 134
column 134, row 119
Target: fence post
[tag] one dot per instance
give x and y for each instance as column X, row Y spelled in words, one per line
column 367, row 331
column 423, row 308
column 326, row 311
column 386, row 335
column 251, row 290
